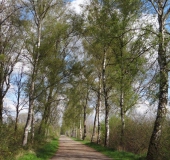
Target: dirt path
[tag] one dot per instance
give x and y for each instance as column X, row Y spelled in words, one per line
column 73, row 150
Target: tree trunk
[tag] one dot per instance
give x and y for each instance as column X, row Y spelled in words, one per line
column 85, row 115
column 98, row 133
column 32, row 128
column 153, row 150
column 98, row 128
column 29, row 118
column 17, row 106
column 106, row 143
column 1, row 106
column 122, row 114
column 106, row 124
column 46, row 114
column 16, row 119
column 80, row 129
column 122, row 109
column 32, row 88
column 76, row 132
column 97, row 115
column 94, row 126
column 98, row 110
column 1, row 73
column 27, row 128
column 84, row 120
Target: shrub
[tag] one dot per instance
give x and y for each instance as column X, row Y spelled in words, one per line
column 165, row 142
column 136, row 135
column 10, row 141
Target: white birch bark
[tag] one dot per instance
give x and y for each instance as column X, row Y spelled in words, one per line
column 80, row 129
column 94, row 125
column 40, row 10
column 106, row 143
column 98, row 110
column 163, row 13
column 30, row 117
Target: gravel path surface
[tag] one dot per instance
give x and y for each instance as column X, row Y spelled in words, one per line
column 73, row 150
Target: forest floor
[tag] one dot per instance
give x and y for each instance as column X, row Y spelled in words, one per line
column 73, row 150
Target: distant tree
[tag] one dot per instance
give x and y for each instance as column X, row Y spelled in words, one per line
column 53, row 72
column 78, row 98
column 72, row 117
column 19, row 86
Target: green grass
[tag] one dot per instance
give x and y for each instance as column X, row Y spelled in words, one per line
column 43, row 153
column 116, row 155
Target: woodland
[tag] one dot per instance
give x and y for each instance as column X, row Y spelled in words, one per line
column 86, row 75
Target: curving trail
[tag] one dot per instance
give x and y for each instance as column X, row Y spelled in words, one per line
column 73, row 150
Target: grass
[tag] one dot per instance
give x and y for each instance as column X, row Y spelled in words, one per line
column 116, row 155
column 43, row 153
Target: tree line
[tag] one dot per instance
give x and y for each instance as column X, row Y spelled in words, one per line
column 105, row 60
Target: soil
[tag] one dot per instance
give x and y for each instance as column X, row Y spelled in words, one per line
column 73, row 150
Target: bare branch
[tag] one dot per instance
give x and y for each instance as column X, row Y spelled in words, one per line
column 151, row 1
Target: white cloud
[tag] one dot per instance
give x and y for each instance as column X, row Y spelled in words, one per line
column 145, row 108
column 8, row 104
column 21, row 66
column 75, row 5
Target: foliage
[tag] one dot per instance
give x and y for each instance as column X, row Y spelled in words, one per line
column 43, row 153
column 11, row 145
column 73, row 63
column 10, row 141
column 113, row 153
column 137, row 134
column 165, row 141
column 136, row 125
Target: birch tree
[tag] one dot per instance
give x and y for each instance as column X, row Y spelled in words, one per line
column 161, row 9
column 19, row 86
column 10, row 35
column 98, row 92
column 128, row 61
column 101, row 31
column 73, row 113
column 39, row 11
column 52, row 69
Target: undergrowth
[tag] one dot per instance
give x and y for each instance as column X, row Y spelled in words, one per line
column 114, row 154
column 43, row 153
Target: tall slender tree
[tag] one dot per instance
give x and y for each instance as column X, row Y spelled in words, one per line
column 161, row 9
column 19, row 86
column 39, row 11
column 96, row 34
column 10, row 35
column 111, row 38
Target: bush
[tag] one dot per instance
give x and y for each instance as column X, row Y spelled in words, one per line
column 10, row 141
column 42, row 153
column 165, row 142
column 136, row 135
